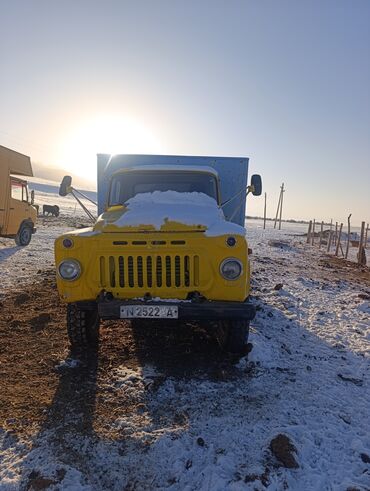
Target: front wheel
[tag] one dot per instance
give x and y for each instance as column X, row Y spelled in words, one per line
column 24, row 235
column 235, row 334
column 82, row 326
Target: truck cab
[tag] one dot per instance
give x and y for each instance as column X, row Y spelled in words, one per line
column 162, row 248
column 17, row 215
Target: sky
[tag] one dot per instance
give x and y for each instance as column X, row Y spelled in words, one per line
column 284, row 83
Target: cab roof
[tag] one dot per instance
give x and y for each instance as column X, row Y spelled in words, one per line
column 166, row 167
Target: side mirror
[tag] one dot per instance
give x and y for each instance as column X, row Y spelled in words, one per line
column 256, row 185
column 65, row 186
column 32, row 197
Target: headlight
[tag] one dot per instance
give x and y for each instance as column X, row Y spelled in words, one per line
column 231, row 268
column 70, row 269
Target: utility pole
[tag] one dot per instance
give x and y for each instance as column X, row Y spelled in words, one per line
column 279, row 209
column 281, row 204
column 264, row 213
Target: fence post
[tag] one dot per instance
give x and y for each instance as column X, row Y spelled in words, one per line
column 321, row 232
column 349, row 232
column 336, row 233
column 361, row 255
column 338, row 240
column 309, row 232
column 367, row 230
column 313, row 231
column 330, row 239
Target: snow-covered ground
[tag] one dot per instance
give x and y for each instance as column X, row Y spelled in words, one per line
column 307, row 377
column 18, row 265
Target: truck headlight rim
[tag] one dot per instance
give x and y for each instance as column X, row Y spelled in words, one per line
column 74, row 269
column 231, row 260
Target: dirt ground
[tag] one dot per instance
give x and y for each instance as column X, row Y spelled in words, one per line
column 348, row 270
column 33, row 342
column 160, row 392
column 36, row 386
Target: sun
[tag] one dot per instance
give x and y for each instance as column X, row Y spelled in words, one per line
column 104, row 134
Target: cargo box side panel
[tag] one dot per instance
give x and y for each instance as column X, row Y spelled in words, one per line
column 233, row 173
column 4, row 185
column 102, row 181
column 15, row 162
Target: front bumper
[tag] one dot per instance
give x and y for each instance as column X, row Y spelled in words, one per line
column 198, row 311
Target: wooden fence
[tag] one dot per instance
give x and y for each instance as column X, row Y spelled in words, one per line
column 338, row 241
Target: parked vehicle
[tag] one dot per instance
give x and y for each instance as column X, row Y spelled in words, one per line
column 169, row 244
column 17, row 215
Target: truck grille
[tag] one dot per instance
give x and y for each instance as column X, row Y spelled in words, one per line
column 149, row 271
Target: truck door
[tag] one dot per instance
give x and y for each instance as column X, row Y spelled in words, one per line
column 19, row 207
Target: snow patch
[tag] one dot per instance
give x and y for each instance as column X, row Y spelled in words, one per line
column 68, row 363
column 194, row 209
column 204, row 434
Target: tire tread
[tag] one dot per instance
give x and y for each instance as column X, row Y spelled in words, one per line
column 237, row 337
column 18, row 239
column 82, row 327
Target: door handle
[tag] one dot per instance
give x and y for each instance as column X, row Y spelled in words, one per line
column 11, row 208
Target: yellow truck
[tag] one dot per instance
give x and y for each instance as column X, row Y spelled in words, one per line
column 169, row 244
column 17, row 215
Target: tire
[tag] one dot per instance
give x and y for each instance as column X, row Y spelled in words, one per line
column 237, row 336
column 82, row 327
column 24, row 235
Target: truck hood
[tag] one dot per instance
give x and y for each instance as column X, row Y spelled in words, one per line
column 168, row 211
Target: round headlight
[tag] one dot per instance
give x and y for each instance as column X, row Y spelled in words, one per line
column 69, row 269
column 231, row 269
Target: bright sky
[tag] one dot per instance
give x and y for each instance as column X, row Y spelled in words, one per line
column 286, row 83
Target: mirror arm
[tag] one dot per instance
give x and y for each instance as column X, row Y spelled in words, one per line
column 84, row 196
column 244, row 190
column 71, row 190
column 88, row 213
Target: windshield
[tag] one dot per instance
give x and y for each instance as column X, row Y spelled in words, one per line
column 127, row 184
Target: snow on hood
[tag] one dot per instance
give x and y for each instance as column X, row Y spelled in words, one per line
column 192, row 209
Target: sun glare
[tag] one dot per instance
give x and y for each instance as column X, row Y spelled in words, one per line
column 104, row 134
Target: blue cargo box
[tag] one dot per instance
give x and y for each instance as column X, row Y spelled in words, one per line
column 232, row 171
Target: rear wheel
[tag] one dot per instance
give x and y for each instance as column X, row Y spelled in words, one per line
column 82, row 326
column 234, row 334
column 24, row 235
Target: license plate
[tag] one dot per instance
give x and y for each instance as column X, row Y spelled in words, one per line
column 149, row 312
